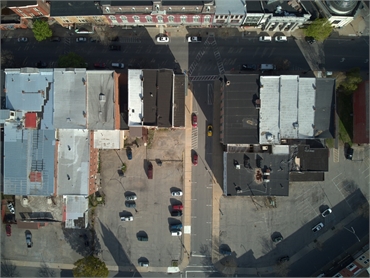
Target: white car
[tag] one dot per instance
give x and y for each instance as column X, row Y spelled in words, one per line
column 131, row 198
column 194, row 39
column 163, row 39
column 176, row 233
column 11, row 208
column 22, row 39
column 326, row 212
column 176, row 193
column 281, row 39
column 127, row 218
column 265, row 39
column 318, row 227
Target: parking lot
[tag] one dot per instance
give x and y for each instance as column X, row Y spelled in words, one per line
column 152, row 214
column 247, row 225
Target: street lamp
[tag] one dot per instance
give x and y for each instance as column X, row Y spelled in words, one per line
column 353, row 232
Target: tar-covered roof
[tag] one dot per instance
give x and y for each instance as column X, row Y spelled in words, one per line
column 243, row 179
column 240, row 117
column 313, row 159
column 324, row 107
column 74, row 8
column 179, row 100
column 164, row 98
column 70, row 98
column 100, row 100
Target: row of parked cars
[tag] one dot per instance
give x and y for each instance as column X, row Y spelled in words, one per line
column 165, row 38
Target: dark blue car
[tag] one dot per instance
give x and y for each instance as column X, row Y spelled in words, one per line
column 129, row 153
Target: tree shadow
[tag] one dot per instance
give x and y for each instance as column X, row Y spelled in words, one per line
column 45, row 271
column 8, row 269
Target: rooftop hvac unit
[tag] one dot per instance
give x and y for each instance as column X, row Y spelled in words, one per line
column 227, row 83
column 269, row 137
column 102, row 97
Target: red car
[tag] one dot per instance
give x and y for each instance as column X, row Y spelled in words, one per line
column 8, row 230
column 195, row 159
column 194, row 120
column 99, row 65
column 150, row 171
column 177, row 207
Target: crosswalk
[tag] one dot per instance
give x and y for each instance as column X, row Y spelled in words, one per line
column 204, row 78
column 194, row 138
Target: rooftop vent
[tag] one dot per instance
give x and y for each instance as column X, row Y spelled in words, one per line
column 295, row 125
column 102, row 97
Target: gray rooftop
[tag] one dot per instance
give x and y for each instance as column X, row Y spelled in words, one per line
column 287, row 108
column 226, row 7
column 100, row 99
column 73, row 162
column 28, row 153
column 324, row 108
column 244, row 179
column 70, row 98
column 240, row 117
column 284, row 8
column 135, row 94
column 26, row 88
column 74, row 8
column 76, row 206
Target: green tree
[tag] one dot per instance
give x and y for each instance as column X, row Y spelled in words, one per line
column 41, row 30
column 320, row 29
column 353, row 79
column 71, row 60
column 90, row 267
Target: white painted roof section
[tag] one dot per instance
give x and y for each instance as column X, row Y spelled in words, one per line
column 135, row 93
column 288, row 106
column 76, row 206
column 107, row 139
column 73, row 162
column 100, row 100
column 280, row 149
column 269, row 111
column 70, row 98
column 306, row 104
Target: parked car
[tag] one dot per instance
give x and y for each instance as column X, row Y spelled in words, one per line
column 29, row 240
column 144, row 264
column 249, row 67
column 81, row 39
column 115, row 47
column 281, row 39
column 349, row 153
column 265, row 39
column 194, row 120
column 176, row 233
column 8, row 229
column 114, row 39
column 127, row 218
column 176, row 213
column 131, row 197
column 130, row 204
column 195, row 159
column 22, row 39
column 55, row 39
column 11, row 208
column 150, row 171
column 310, row 40
column 94, row 40
column 277, row 239
column 177, row 207
column 284, row 259
column 318, row 227
column 163, row 38
column 176, row 227
column 41, row 64
column 209, row 130
column 99, row 65
column 129, row 153
column 142, row 238
column 326, row 212
column 225, row 252
column 118, row 65
column 194, row 39
column 177, row 193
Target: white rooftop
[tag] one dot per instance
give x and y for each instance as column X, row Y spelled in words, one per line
column 287, row 108
column 135, row 94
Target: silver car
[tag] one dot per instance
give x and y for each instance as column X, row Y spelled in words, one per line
column 131, row 198
column 127, row 218
column 176, row 193
column 318, row 227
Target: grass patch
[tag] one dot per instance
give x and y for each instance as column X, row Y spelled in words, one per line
column 329, row 142
column 345, row 111
column 151, row 133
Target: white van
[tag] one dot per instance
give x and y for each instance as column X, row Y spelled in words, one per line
column 118, row 65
